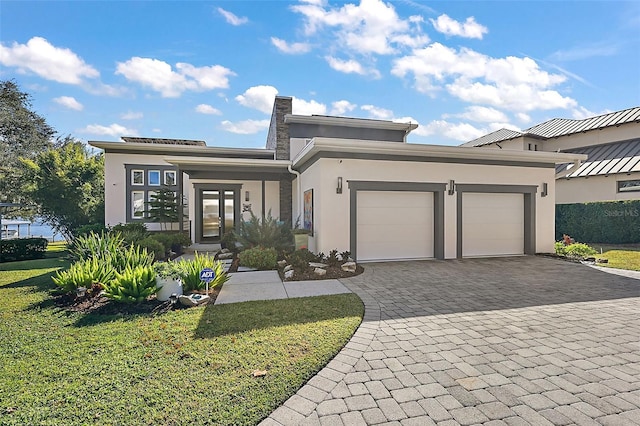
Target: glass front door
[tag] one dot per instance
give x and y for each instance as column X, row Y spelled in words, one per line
column 217, row 209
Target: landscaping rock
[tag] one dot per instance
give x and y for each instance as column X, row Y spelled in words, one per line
column 288, row 268
column 602, row 261
column 317, row 265
column 193, row 299
column 225, row 256
column 282, row 263
column 349, row 267
column 319, row 271
column 288, row 274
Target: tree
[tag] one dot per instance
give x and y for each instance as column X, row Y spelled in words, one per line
column 163, row 207
column 23, row 133
column 67, row 184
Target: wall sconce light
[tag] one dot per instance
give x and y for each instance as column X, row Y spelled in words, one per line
column 545, row 190
column 339, row 187
column 246, row 195
column 452, row 187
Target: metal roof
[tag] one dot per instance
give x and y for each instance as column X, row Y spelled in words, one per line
column 562, row 126
column 606, row 159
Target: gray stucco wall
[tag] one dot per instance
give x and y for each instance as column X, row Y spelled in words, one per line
column 301, row 130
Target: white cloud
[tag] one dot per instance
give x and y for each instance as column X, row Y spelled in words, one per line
column 290, row 48
column 232, row 18
column 131, row 115
column 523, row 117
column 469, row 29
column 462, row 132
column 114, row 129
column 580, row 113
column 341, row 107
column 245, row 127
column 302, row 107
column 513, row 83
column 160, row 77
column 207, row 109
column 372, row 26
column 483, row 114
column 258, row 97
column 44, row 59
column 69, row 102
column 377, row 112
column 579, row 53
column 350, row 66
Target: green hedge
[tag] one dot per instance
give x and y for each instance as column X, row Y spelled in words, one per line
column 22, row 249
column 616, row 222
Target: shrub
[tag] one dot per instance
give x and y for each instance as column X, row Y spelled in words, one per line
column 95, row 245
column 84, row 273
column 22, row 249
column 332, row 259
column 131, row 232
column 172, row 241
column 300, row 259
column 96, row 228
column 190, row 271
column 266, row 232
column 130, row 257
column 152, row 245
column 259, row 258
column 168, row 270
column 576, row 250
column 229, row 241
column 132, row 285
column 613, row 222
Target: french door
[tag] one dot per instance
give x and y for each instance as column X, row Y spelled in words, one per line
column 217, row 213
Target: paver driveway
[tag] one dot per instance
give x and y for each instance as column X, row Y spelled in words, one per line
column 526, row 340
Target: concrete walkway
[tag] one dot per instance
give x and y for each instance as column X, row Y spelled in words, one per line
column 512, row 341
column 267, row 285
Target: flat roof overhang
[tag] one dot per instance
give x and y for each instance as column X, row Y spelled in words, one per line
column 231, row 168
column 182, row 150
column 391, row 151
column 350, row 122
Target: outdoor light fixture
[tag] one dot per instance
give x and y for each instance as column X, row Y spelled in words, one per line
column 246, row 195
column 452, row 189
column 545, row 191
column 339, row 187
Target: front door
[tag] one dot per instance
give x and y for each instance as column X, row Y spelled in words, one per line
column 217, row 214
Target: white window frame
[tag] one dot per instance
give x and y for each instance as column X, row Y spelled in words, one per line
column 175, row 177
column 159, row 177
column 133, row 179
column 133, row 204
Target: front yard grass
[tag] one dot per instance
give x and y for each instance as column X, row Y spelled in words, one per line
column 621, row 256
column 191, row 366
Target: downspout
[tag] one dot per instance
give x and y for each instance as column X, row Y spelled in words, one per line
column 300, row 200
column 569, row 170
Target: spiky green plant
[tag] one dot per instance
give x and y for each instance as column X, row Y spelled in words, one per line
column 83, row 274
column 190, row 272
column 132, row 285
column 95, row 245
column 266, row 232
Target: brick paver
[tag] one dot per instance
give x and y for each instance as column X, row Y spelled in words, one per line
column 505, row 341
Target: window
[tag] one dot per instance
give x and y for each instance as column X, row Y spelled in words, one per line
column 137, row 204
column 629, row 185
column 137, row 177
column 169, row 177
column 154, row 177
column 533, row 147
column 151, row 195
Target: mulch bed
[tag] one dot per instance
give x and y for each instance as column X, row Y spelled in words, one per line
column 94, row 303
column 333, row 272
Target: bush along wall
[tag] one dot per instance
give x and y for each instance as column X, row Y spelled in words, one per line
column 22, row 249
column 616, row 222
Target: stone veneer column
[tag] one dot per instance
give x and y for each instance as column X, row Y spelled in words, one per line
column 278, row 139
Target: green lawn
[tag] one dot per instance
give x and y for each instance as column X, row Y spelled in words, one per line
column 192, row 366
column 621, row 256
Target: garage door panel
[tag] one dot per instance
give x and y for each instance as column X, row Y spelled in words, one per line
column 492, row 224
column 394, row 225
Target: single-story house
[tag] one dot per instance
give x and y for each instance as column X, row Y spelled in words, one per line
column 355, row 184
column 610, row 141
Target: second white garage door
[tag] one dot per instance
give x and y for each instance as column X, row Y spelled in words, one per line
column 492, row 224
column 394, row 225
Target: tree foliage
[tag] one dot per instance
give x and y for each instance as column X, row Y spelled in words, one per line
column 23, row 133
column 163, row 207
column 67, row 183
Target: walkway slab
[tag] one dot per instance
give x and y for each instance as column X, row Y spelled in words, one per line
column 527, row 340
column 314, row 288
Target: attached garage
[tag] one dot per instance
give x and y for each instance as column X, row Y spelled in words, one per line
column 393, row 224
column 492, row 224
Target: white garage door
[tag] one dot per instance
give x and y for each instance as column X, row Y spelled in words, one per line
column 492, row 224
column 394, row 225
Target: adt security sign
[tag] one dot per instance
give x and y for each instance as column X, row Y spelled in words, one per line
column 207, row 275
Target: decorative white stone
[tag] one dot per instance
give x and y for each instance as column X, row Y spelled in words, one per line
column 349, row 267
column 223, row 256
column 317, row 265
column 194, row 299
column 282, row 263
column 288, row 268
column 288, row 275
column 319, row 271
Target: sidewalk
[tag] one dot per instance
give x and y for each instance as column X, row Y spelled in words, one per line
column 267, row 285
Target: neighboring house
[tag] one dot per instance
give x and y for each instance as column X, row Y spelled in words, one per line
column 611, row 142
column 356, row 184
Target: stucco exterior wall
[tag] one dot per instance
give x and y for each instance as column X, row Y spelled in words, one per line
column 594, row 188
column 331, row 210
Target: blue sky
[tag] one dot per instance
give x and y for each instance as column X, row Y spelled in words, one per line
column 209, row 70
